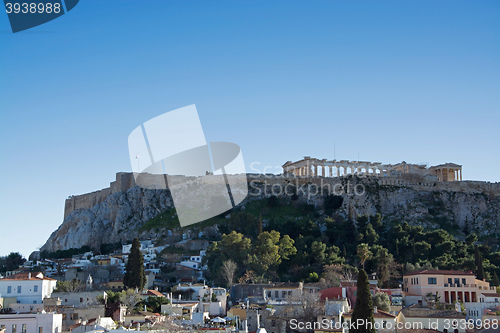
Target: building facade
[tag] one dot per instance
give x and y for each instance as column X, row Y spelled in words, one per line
column 27, row 287
column 451, row 285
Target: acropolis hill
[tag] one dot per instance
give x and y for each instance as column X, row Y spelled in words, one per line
column 401, row 174
column 428, row 196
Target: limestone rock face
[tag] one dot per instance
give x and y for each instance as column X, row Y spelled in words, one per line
column 118, row 217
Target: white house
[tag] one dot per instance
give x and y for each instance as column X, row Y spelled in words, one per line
column 487, row 300
column 80, row 298
column 489, row 297
column 27, row 287
column 32, row 322
column 190, row 264
column 95, row 325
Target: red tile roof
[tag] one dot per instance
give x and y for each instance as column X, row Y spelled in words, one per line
column 331, row 293
column 154, row 293
column 439, row 272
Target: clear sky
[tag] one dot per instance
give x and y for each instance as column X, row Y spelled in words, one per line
column 417, row 81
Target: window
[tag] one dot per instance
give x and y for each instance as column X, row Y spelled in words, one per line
column 9, row 289
column 463, row 281
column 450, row 281
column 40, row 329
column 34, row 302
column 23, row 329
column 18, row 289
column 432, row 280
column 457, row 281
column 283, row 294
column 14, row 328
column 81, row 300
column 74, row 316
column 276, row 294
column 35, row 289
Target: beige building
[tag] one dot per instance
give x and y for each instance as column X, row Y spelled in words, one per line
column 416, row 318
column 283, row 291
column 449, row 284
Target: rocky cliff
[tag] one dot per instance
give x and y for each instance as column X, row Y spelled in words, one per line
column 119, row 215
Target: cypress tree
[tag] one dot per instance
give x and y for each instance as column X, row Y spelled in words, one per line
column 478, row 258
column 495, row 279
column 259, row 226
column 135, row 277
column 364, row 306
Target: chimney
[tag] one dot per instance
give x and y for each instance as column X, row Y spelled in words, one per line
column 375, row 309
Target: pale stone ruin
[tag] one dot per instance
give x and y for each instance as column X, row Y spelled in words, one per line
column 313, row 167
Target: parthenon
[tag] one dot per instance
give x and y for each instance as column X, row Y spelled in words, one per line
column 313, row 167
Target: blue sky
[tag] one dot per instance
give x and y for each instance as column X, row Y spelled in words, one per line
column 395, row 80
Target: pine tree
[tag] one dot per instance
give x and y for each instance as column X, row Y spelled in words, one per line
column 364, row 306
column 135, row 277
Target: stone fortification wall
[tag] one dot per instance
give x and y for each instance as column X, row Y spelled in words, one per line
column 125, row 181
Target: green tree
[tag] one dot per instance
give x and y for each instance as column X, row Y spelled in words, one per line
column 152, row 303
column 69, row 286
column 382, row 302
column 495, row 279
column 363, row 310
column 135, row 277
column 371, row 235
column 233, row 246
column 286, row 247
column 364, row 253
column 318, row 252
column 267, row 251
column 11, row 262
column 479, row 263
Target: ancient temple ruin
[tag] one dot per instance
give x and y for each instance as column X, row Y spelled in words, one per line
column 313, row 167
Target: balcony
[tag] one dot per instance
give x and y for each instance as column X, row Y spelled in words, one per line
column 447, row 285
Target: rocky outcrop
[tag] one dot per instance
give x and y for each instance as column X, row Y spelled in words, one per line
column 119, row 216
